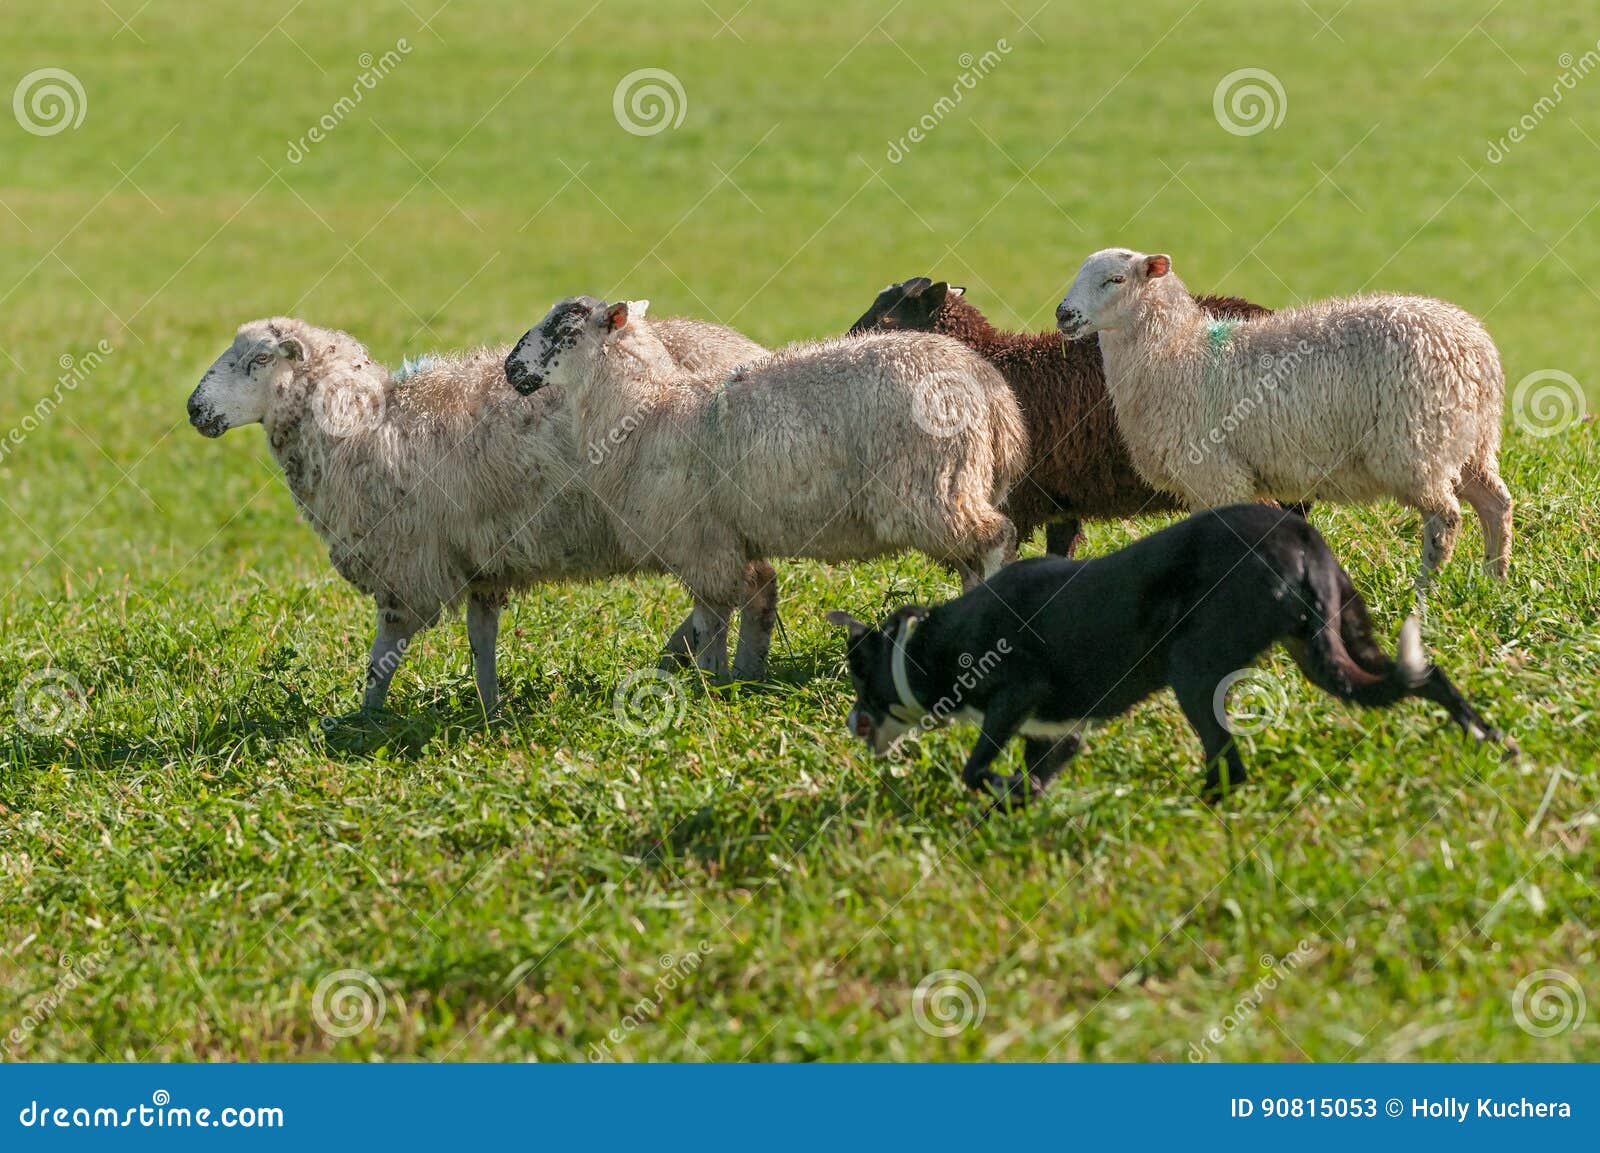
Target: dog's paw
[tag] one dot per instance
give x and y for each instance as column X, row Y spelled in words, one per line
column 1014, row 791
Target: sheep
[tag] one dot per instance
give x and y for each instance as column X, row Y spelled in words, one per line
column 1347, row 400
column 1079, row 467
column 842, row 450
column 437, row 484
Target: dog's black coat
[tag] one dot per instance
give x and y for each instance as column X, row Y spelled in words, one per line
column 1088, row 639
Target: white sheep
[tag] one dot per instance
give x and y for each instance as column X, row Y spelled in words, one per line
column 842, row 450
column 1342, row 400
column 439, row 484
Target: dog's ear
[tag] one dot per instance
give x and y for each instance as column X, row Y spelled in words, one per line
column 845, row 621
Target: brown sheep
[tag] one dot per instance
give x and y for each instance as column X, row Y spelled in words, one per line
column 1079, row 468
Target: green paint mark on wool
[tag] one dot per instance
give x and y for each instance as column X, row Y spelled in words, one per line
column 1219, row 332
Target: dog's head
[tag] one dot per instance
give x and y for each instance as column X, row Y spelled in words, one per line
column 877, row 716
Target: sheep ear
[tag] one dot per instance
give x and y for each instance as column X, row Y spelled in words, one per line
column 957, row 290
column 1156, row 266
column 290, row 348
column 845, row 621
column 637, row 308
column 615, row 316
column 934, row 295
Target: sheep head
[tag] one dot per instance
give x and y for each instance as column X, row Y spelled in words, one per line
column 276, row 368
column 559, row 349
column 1106, row 289
column 912, row 305
column 240, row 386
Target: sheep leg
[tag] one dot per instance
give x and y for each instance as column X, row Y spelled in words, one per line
column 679, row 652
column 710, row 637
column 395, row 630
column 997, row 547
column 758, row 616
column 1063, row 537
column 483, row 628
column 1441, row 521
column 1483, row 489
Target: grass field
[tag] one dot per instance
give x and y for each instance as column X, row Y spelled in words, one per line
column 194, row 868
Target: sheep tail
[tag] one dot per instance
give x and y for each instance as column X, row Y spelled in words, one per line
column 1336, row 626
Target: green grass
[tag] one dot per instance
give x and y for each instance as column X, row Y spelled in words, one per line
column 512, row 888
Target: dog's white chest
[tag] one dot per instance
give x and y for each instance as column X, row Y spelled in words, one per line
column 1033, row 727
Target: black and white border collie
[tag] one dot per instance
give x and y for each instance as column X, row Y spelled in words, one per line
column 1048, row 646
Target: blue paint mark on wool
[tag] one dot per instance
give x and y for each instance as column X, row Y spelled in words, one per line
column 409, row 368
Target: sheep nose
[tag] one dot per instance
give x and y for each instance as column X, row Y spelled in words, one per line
column 1062, row 312
column 520, row 377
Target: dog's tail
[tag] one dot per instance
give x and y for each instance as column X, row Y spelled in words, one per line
column 1338, row 624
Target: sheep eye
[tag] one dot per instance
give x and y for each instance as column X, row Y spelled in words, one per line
column 263, row 359
column 1113, row 280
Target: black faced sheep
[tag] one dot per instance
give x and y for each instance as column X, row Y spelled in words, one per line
column 843, row 450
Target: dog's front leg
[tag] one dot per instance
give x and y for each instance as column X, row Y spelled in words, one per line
column 1002, row 718
column 1045, row 758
